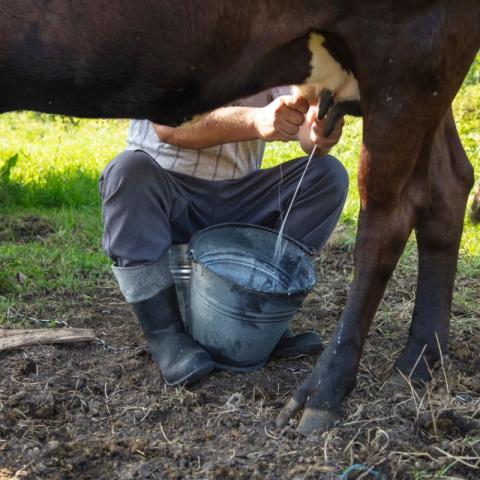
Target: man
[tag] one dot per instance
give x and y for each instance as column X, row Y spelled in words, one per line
column 171, row 182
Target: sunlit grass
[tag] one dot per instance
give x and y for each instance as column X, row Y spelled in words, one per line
column 59, row 159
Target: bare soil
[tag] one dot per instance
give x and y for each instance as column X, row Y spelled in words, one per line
column 90, row 412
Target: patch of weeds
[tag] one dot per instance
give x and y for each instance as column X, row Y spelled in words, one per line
column 8, row 188
column 7, row 283
column 473, row 77
column 48, row 251
column 24, row 229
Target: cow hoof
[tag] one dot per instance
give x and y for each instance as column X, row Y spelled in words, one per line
column 395, row 384
column 288, row 412
column 317, row 421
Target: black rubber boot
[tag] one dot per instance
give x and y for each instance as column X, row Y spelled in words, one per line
column 291, row 345
column 180, row 358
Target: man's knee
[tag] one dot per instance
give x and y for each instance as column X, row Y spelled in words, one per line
column 338, row 174
column 128, row 167
column 330, row 174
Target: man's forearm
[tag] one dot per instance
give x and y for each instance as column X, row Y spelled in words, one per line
column 277, row 121
column 224, row 125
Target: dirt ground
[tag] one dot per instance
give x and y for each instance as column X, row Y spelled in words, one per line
column 88, row 412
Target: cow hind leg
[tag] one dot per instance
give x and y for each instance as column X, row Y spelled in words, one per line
column 394, row 176
column 382, row 233
column 438, row 232
column 475, row 210
column 385, row 223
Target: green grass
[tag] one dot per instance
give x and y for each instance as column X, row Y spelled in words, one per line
column 49, row 167
column 68, row 261
column 58, row 159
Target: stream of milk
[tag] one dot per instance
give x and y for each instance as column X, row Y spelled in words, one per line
column 280, row 244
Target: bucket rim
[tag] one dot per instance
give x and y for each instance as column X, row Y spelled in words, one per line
column 297, row 292
column 310, row 251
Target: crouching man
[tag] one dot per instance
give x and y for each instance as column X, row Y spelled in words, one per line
column 171, row 182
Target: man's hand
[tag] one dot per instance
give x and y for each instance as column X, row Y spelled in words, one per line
column 317, row 135
column 312, row 133
column 281, row 120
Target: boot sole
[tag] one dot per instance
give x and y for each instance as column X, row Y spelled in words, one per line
column 296, row 352
column 194, row 376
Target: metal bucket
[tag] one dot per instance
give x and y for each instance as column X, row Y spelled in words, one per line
column 242, row 300
column 181, row 269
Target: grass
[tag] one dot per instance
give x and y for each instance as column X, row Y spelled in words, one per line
column 55, row 161
column 66, row 261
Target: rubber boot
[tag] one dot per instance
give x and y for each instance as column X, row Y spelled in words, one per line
column 181, row 359
column 291, row 345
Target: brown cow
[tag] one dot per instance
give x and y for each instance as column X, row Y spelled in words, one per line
column 166, row 60
column 475, row 210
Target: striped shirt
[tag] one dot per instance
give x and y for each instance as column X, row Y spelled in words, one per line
column 221, row 162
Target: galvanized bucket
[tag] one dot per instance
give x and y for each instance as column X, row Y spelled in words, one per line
column 242, row 300
column 181, row 269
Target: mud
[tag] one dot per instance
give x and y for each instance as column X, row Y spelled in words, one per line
column 90, row 412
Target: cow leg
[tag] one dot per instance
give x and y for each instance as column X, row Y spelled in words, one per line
column 381, row 238
column 422, row 183
column 395, row 155
column 475, row 210
column 438, row 233
column 383, row 230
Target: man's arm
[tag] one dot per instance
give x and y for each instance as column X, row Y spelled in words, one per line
column 311, row 133
column 278, row 121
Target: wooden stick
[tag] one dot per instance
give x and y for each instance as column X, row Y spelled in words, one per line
column 11, row 339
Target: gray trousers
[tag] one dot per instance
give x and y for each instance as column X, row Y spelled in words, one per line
column 147, row 208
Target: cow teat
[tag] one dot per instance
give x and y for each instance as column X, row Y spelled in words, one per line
column 333, row 84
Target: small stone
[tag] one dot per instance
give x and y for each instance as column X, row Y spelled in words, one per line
column 21, row 278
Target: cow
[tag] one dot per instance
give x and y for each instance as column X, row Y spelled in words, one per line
column 475, row 210
column 402, row 62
